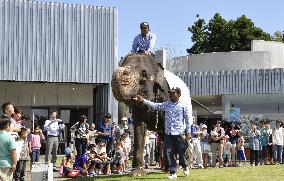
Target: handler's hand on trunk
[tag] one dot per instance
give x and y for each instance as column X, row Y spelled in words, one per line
column 138, row 98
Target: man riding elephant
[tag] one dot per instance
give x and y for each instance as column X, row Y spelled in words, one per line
column 145, row 41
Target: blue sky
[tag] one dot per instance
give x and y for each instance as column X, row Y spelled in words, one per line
column 169, row 19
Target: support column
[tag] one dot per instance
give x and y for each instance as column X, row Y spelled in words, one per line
column 91, row 115
column 161, row 57
column 226, row 104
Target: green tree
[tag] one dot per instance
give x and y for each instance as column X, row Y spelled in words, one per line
column 278, row 36
column 221, row 35
column 198, row 30
column 247, row 32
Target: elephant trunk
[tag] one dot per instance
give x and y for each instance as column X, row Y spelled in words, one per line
column 139, row 141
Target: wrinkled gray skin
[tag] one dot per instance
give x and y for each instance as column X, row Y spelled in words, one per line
column 140, row 74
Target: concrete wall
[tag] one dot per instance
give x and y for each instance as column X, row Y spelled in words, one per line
column 264, row 55
column 39, row 94
column 275, row 48
column 223, row 61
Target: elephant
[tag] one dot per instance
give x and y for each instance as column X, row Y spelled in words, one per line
column 140, row 74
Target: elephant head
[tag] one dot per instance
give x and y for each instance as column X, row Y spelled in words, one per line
column 138, row 74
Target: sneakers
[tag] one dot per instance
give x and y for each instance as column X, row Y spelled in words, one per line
column 119, row 172
column 186, row 171
column 172, row 176
column 92, row 174
column 127, row 171
column 146, row 165
column 200, row 167
column 99, row 172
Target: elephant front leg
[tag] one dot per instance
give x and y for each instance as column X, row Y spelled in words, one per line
column 138, row 152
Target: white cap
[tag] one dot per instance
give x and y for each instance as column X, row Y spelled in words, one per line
column 214, row 133
column 204, row 126
column 124, row 118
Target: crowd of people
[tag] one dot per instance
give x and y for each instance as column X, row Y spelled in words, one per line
column 227, row 145
column 97, row 150
column 101, row 150
column 105, row 148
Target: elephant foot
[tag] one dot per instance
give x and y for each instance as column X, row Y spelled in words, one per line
column 137, row 172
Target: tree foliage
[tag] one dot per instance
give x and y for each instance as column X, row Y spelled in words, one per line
column 199, row 37
column 278, row 36
column 220, row 35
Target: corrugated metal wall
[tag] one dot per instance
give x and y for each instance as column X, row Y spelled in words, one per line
column 56, row 42
column 257, row 81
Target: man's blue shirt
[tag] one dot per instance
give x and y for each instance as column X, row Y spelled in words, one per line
column 105, row 129
column 176, row 116
column 144, row 43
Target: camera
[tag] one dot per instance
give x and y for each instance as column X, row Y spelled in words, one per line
column 60, row 121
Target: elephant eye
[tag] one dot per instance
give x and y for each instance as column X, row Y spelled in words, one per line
column 144, row 90
column 142, row 81
column 144, row 73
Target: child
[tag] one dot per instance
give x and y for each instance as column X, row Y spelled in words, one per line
column 34, row 145
column 227, row 151
column 189, row 152
column 127, row 147
column 93, row 134
column 81, row 163
column 86, row 162
column 102, row 156
column 66, row 168
column 93, row 160
column 119, row 158
column 205, row 146
column 147, row 149
column 22, row 154
column 240, row 148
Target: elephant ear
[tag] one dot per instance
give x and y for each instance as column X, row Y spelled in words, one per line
column 160, row 78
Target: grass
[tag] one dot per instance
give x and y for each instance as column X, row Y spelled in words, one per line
column 246, row 173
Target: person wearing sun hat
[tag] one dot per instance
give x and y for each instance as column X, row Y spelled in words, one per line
column 120, row 128
column 81, row 129
column 195, row 136
column 66, row 164
column 205, row 146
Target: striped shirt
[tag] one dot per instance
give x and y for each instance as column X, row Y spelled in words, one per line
column 144, row 43
column 176, row 116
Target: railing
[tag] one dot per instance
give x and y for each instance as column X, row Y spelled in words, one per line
column 257, row 81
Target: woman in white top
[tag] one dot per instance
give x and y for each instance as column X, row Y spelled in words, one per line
column 278, row 142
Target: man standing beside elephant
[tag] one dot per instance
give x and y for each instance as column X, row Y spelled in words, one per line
column 177, row 122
